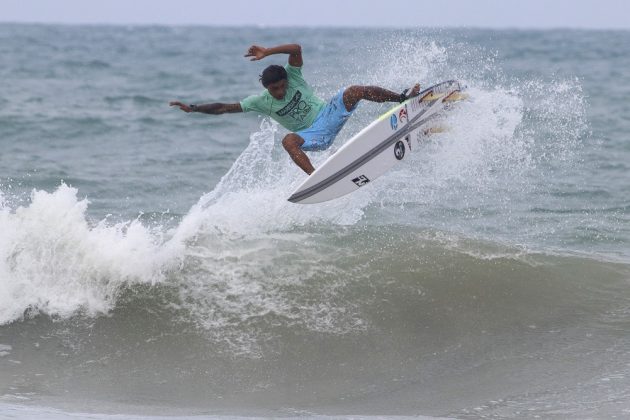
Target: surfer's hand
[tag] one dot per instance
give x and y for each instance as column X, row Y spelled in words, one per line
column 256, row 52
column 181, row 106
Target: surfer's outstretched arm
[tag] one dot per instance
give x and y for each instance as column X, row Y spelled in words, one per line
column 214, row 109
column 294, row 50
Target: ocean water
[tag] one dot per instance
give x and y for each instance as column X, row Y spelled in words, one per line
column 150, row 264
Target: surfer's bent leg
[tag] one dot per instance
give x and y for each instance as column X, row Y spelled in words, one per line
column 321, row 134
column 353, row 94
column 292, row 144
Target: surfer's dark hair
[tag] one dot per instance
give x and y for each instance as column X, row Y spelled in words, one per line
column 273, row 74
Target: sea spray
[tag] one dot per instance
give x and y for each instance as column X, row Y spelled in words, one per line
column 54, row 261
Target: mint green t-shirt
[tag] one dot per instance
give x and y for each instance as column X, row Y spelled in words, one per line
column 296, row 111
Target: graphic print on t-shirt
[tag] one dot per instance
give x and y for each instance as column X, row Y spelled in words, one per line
column 296, row 108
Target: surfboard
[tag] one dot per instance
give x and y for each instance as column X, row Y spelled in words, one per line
column 378, row 147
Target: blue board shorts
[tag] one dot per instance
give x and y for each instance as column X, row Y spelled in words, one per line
column 327, row 124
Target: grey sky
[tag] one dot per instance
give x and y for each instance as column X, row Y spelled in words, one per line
column 599, row 14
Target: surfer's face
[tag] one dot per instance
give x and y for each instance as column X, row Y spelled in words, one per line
column 278, row 89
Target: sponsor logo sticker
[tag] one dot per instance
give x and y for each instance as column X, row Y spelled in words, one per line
column 361, row 180
column 399, row 150
column 402, row 115
column 393, row 122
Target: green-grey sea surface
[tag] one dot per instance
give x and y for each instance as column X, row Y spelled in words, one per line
column 150, row 263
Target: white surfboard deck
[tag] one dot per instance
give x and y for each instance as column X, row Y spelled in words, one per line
column 376, row 148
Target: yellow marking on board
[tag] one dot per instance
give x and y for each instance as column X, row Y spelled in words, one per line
column 391, row 111
column 431, row 96
column 452, row 97
column 455, row 96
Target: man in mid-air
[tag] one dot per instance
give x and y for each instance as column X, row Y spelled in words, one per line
column 290, row 101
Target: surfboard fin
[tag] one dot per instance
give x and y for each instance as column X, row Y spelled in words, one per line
column 435, row 130
column 438, row 129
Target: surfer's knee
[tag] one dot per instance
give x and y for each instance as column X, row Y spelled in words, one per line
column 291, row 142
column 352, row 95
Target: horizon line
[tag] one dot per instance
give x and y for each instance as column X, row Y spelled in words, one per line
column 321, row 26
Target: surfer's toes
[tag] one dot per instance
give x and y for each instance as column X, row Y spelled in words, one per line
column 415, row 90
column 410, row 93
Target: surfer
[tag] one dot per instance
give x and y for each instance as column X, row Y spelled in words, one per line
column 290, row 100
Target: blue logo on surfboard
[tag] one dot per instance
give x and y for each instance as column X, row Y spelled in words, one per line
column 393, row 121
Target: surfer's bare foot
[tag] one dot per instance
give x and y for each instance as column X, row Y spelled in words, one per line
column 415, row 90
column 410, row 93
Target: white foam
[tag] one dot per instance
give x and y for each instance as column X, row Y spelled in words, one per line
column 252, row 196
column 53, row 261
column 5, row 350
